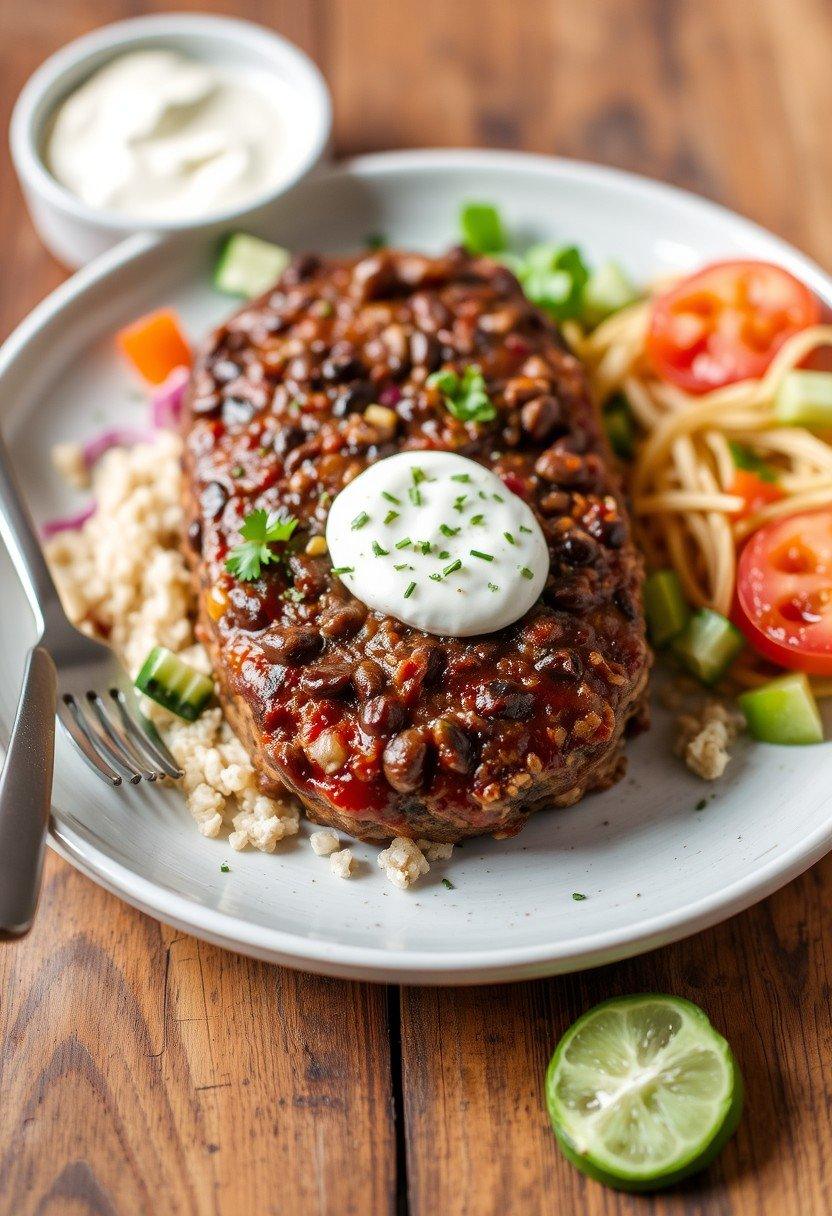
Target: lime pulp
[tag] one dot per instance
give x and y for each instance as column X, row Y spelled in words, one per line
column 642, row 1092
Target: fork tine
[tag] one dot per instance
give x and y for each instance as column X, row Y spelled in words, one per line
column 101, row 743
column 68, row 718
column 120, row 741
column 140, row 736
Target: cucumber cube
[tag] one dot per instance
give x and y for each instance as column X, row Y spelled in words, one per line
column 248, row 266
column 783, row 711
column 708, row 645
column 665, row 607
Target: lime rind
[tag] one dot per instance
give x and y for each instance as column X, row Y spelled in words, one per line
column 649, row 1099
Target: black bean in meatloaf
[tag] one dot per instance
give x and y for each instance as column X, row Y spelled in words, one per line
column 381, row 729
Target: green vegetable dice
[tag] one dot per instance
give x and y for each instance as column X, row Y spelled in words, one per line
column 708, row 645
column 783, row 711
column 665, row 607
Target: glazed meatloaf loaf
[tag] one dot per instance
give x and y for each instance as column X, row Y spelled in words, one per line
column 381, row 729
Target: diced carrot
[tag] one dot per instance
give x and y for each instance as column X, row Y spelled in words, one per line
column 756, row 491
column 155, row 345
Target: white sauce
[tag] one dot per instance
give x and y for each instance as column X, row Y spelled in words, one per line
column 479, row 595
column 155, row 135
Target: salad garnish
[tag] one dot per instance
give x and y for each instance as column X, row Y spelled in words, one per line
column 260, row 531
column 465, row 396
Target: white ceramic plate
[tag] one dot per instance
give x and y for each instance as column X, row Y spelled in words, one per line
column 651, row 866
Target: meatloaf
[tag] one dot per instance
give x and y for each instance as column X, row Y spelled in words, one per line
column 380, row 729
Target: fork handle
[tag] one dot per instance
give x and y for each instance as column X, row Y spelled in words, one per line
column 26, row 795
column 20, row 535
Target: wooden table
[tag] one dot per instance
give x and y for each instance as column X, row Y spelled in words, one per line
column 145, row 1072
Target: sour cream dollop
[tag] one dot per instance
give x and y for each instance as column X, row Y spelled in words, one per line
column 437, row 541
column 158, row 136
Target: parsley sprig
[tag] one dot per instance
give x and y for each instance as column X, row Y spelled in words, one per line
column 260, row 530
column 465, row 396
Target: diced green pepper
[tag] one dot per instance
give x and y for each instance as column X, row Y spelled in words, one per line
column 174, row 684
column 665, row 606
column 805, row 399
column 783, row 711
column 618, row 423
column 248, row 266
column 481, row 228
column 607, row 290
column 708, row 645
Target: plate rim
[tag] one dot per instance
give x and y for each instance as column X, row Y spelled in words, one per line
column 368, row 961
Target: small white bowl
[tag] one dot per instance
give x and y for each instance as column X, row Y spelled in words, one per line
column 76, row 232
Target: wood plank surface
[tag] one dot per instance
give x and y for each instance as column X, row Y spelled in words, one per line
column 144, row 1072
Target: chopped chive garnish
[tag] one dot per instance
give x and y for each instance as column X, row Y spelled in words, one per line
column 463, row 477
column 509, row 538
column 446, row 882
column 391, row 498
column 443, row 553
column 448, row 531
column 483, row 495
column 237, row 471
column 418, row 475
column 578, row 896
column 225, row 867
column 402, row 566
column 498, row 498
column 477, row 519
column 415, row 495
column 486, row 557
column 437, row 578
column 411, row 587
column 459, row 503
column 390, row 516
column 523, row 528
column 360, row 520
column 493, row 587
column 379, row 552
column 454, row 566
column 404, row 544
column 425, row 546
column 343, row 569
column 526, row 572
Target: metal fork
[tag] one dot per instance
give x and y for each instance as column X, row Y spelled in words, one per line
column 97, row 704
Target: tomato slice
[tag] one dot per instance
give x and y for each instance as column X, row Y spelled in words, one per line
column 784, row 592
column 726, row 323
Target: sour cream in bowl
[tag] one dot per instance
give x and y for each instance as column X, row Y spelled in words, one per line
column 160, row 135
column 177, row 123
column 438, row 542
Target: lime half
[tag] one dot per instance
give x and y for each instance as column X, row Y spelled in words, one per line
column 642, row 1091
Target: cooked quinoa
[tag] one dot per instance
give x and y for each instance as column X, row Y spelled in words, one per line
column 704, row 738
column 122, row 576
column 342, row 863
column 324, row 843
column 403, row 862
